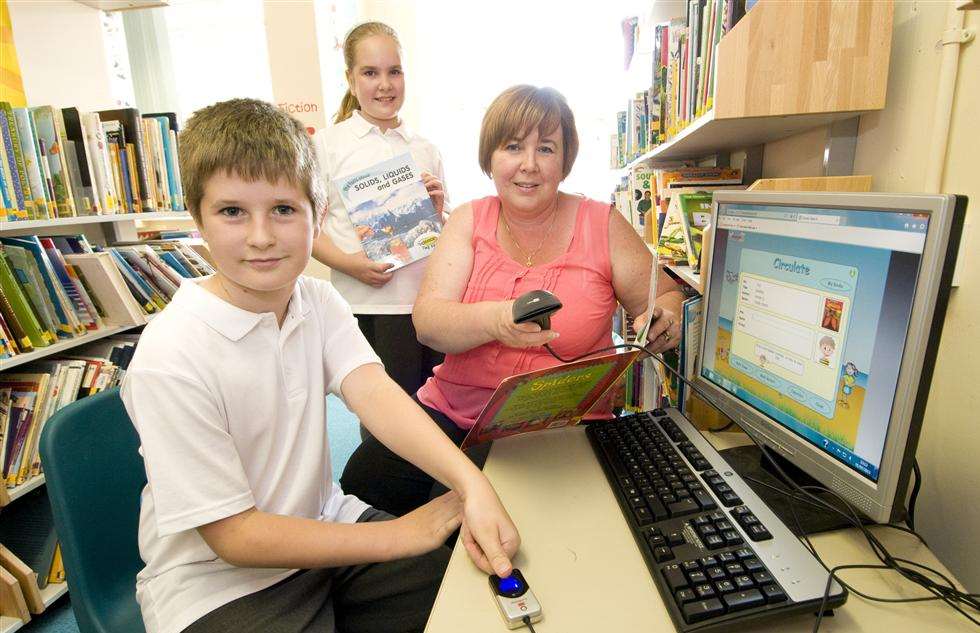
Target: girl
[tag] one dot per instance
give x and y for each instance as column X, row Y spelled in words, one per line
column 368, row 131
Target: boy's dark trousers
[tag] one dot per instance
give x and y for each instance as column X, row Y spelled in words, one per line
column 392, row 597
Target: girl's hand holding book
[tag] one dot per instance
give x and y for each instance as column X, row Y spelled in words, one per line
column 435, row 189
column 368, row 271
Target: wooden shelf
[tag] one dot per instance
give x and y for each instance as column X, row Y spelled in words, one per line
column 42, row 352
column 19, row 491
column 690, row 277
column 9, row 624
column 18, row 225
column 708, row 135
column 52, row 592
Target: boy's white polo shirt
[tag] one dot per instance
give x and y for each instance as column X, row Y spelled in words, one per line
column 350, row 146
column 231, row 412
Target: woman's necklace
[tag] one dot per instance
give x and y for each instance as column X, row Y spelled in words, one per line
column 529, row 258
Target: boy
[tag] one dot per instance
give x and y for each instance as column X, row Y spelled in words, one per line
column 227, row 391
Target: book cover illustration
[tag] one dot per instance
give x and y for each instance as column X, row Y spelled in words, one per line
column 549, row 398
column 695, row 215
column 391, row 211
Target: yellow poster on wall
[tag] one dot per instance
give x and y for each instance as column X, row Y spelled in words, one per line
column 11, row 85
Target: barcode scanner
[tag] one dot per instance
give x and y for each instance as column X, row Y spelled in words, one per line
column 515, row 599
column 536, row 306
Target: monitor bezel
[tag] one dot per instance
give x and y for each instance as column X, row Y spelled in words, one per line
column 877, row 500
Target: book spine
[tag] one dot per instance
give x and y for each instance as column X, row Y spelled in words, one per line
column 20, row 306
column 58, row 264
column 31, row 162
column 10, row 175
column 59, row 128
column 18, row 154
column 51, row 149
column 139, row 202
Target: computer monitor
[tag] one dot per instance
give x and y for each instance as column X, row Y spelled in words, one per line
column 822, row 318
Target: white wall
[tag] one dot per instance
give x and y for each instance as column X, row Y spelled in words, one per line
column 63, row 59
column 893, row 147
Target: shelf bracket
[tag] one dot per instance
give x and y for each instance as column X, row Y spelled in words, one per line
column 840, row 147
column 957, row 36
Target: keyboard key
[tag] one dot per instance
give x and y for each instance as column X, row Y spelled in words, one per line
column 758, row 532
column 753, row 565
column 741, row 600
column 773, row 593
column 739, row 511
column 683, row 507
column 690, row 565
column 713, row 541
column 674, row 577
column 643, row 516
column 716, row 516
column 743, row 582
column 724, row 524
column 709, row 561
column 705, row 530
column 702, row 610
column 701, row 520
column 684, row 596
column 657, row 509
column 728, row 557
column 734, row 569
column 724, row 586
column 703, row 499
column 716, row 573
column 676, row 537
column 732, row 537
column 697, row 577
column 744, row 553
column 762, row 577
column 662, row 554
column 647, row 532
column 657, row 541
column 730, row 498
column 636, row 502
column 705, row 591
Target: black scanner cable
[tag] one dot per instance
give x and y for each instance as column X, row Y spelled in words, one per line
column 945, row 590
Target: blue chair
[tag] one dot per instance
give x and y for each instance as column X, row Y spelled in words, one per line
column 94, row 478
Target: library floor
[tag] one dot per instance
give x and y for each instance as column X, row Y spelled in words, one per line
column 344, row 437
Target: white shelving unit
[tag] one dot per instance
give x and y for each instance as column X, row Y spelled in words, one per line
column 19, row 491
column 9, row 624
column 692, row 278
column 20, row 359
column 48, row 595
column 17, row 225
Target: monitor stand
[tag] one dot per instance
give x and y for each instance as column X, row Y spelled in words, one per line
column 750, row 464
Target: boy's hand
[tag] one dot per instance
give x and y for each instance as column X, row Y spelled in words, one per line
column 488, row 534
column 368, row 271
column 665, row 331
column 434, row 187
column 513, row 334
column 426, row 528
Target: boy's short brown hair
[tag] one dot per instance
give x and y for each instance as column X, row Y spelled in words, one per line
column 253, row 140
column 518, row 110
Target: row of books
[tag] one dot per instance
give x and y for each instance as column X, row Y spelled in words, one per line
column 30, row 396
column 58, row 288
column 59, row 162
column 683, row 77
column 647, row 195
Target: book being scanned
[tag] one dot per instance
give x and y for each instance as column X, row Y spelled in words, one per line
column 549, row 398
column 391, row 211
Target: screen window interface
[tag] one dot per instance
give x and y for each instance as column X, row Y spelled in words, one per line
column 807, row 319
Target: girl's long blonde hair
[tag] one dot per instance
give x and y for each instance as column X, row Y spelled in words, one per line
column 360, row 32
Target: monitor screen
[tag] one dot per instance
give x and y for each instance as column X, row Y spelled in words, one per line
column 807, row 317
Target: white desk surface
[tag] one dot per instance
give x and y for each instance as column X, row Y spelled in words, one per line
column 581, row 561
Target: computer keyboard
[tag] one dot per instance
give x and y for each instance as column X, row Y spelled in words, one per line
column 717, row 554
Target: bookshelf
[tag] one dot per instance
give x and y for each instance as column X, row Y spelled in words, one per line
column 20, row 359
column 9, row 624
column 49, row 594
column 686, row 275
column 18, row 225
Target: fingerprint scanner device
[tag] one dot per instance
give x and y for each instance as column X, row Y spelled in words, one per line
column 515, row 599
column 536, row 307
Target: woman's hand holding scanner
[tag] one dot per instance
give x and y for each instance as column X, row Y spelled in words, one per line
column 488, row 534
column 512, row 334
column 368, row 271
column 664, row 332
column 435, row 190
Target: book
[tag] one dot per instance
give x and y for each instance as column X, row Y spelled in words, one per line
column 391, row 211
column 63, row 307
column 84, row 158
column 12, row 597
column 53, row 150
column 20, row 305
column 130, row 119
column 28, row 145
column 23, row 266
column 549, row 398
column 695, row 214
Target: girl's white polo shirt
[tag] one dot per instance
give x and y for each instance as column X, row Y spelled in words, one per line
column 350, row 146
column 230, row 410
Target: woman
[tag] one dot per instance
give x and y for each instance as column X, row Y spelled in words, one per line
column 529, row 236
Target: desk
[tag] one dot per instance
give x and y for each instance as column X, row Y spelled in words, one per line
column 580, row 558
